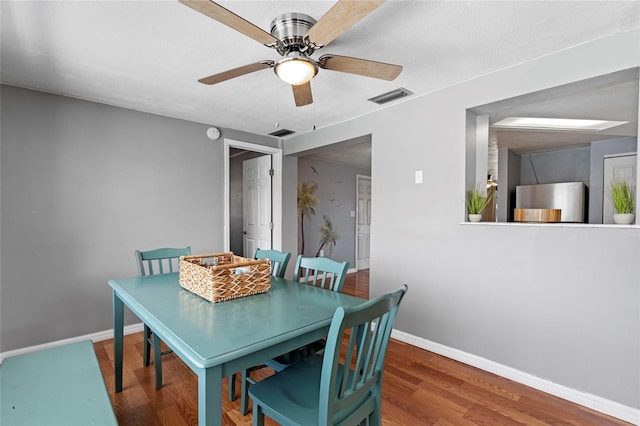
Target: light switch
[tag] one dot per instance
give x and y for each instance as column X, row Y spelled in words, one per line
column 352, row 213
column 418, row 176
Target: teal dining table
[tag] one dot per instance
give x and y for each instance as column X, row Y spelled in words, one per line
column 218, row 339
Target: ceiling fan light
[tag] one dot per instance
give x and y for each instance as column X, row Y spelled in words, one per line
column 296, row 70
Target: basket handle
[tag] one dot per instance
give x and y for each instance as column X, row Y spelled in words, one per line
column 203, row 256
column 246, row 262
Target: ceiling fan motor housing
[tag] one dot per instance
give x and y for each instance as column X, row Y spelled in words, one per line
column 290, row 28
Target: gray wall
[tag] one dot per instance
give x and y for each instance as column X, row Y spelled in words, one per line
column 337, row 194
column 566, row 165
column 83, row 186
column 558, row 303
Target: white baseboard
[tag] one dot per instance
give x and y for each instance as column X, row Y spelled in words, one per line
column 608, row 407
column 94, row 337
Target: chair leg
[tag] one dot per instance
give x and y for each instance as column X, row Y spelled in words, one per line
column 147, row 346
column 374, row 417
column 231, row 385
column 258, row 415
column 244, row 393
column 157, row 361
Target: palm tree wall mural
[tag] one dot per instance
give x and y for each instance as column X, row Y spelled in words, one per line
column 307, row 203
column 328, row 235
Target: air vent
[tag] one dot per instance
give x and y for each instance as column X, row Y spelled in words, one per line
column 390, row 96
column 282, row 132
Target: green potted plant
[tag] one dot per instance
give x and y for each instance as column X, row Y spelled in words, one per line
column 477, row 200
column 623, row 201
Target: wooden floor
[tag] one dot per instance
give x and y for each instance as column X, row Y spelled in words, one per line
column 419, row 388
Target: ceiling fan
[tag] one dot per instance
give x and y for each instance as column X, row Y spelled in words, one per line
column 296, row 37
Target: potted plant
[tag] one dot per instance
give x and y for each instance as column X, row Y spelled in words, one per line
column 623, row 200
column 477, row 200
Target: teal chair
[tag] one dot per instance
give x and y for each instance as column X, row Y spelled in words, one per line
column 316, row 271
column 321, row 272
column 279, row 262
column 152, row 262
column 320, row 390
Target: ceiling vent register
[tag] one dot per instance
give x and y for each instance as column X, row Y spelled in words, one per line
column 281, row 133
column 390, row 96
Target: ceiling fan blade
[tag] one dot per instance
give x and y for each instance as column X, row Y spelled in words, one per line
column 302, row 94
column 338, row 19
column 363, row 67
column 236, row 72
column 230, row 19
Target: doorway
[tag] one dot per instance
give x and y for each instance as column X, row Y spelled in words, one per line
column 363, row 221
column 257, row 222
column 334, row 168
column 275, row 155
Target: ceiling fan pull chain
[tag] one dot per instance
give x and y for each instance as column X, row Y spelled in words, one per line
column 277, row 108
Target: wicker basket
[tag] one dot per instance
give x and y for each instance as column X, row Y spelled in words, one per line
column 223, row 276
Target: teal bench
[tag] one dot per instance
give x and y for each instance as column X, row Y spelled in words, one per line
column 57, row 386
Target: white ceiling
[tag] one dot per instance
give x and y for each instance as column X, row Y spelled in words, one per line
column 147, row 55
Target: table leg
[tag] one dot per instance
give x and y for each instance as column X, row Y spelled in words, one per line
column 157, row 360
column 118, row 328
column 210, row 396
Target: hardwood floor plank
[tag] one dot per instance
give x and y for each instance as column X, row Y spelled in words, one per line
column 419, row 388
column 450, row 391
column 444, row 407
column 481, row 415
column 397, row 405
column 172, row 415
column 472, row 376
column 402, row 374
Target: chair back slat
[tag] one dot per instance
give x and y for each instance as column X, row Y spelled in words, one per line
column 279, row 261
column 160, row 261
column 346, row 388
column 321, row 272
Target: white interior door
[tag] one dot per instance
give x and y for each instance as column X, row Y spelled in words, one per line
column 616, row 169
column 256, row 210
column 363, row 221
